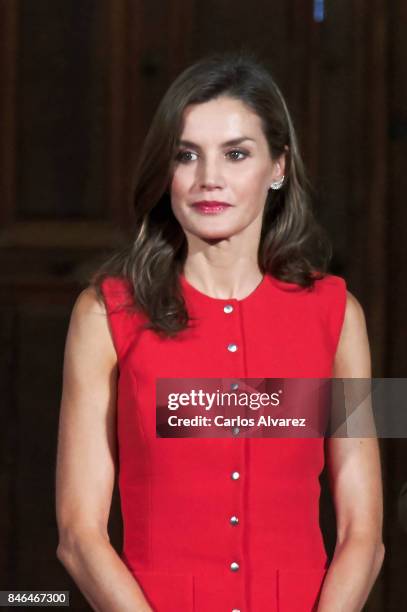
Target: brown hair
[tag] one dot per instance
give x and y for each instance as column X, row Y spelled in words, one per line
column 293, row 247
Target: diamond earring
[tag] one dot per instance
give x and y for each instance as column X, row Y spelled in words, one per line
column 277, row 184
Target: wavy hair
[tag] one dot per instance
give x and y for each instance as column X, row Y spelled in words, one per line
column 293, row 246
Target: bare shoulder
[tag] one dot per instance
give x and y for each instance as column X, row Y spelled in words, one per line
column 88, row 302
column 89, row 329
column 352, row 357
column 354, row 314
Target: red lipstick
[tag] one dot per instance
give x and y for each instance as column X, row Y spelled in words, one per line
column 210, row 206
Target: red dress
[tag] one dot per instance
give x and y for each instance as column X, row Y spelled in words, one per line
column 195, row 538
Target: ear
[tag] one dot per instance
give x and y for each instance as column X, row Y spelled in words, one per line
column 278, row 168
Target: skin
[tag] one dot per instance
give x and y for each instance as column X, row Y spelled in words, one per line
column 86, row 463
column 222, row 248
column 221, row 262
column 356, row 485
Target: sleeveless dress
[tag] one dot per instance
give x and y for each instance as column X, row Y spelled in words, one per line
column 225, row 524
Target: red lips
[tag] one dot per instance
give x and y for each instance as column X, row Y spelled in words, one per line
column 211, row 203
column 211, row 207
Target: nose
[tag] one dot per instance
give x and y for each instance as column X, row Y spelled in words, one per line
column 210, row 174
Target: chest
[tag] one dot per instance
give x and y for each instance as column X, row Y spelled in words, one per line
column 270, row 339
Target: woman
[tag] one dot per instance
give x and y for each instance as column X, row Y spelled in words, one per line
column 225, row 276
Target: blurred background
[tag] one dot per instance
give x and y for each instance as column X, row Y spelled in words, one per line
column 79, row 83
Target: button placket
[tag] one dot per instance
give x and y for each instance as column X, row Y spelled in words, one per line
column 228, row 309
column 232, row 326
column 234, row 521
column 232, row 348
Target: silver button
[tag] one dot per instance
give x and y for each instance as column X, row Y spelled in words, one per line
column 235, row 475
column 235, row 431
column 234, row 520
column 232, row 348
column 234, row 386
column 234, row 566
column 228, row 308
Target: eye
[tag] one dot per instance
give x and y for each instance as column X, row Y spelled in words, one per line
column 235, row 152
column 184, row 156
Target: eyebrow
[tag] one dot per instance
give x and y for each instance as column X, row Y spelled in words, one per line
column 228, row 143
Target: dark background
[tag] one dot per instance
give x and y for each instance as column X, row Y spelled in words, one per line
column 79, row 82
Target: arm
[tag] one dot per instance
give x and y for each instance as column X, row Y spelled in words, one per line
column 355, row 479
column 85, row 468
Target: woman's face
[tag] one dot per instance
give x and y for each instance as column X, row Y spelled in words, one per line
column 223, row 157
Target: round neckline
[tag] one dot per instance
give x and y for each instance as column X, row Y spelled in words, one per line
column 193, row 291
